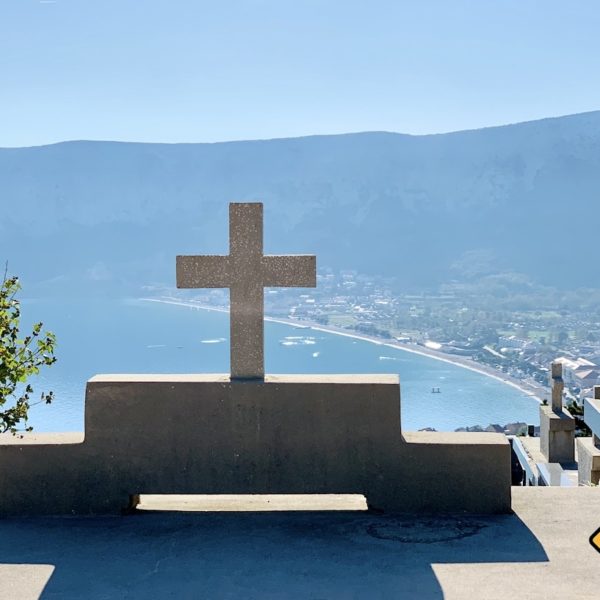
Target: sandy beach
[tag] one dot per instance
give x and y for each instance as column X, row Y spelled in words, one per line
column 536, row 392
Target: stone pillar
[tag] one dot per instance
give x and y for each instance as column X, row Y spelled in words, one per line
column 558, row 386
column 557, row 426
column 588, row 448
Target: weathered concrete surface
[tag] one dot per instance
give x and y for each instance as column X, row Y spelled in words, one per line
column 203, row 434
column 557, row 435
column 246, row 272
column 588, row 461
column 540, row 551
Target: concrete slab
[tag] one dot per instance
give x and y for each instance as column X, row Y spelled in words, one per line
column 540, row 551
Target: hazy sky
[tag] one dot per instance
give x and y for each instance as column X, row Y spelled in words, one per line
column 195, row 71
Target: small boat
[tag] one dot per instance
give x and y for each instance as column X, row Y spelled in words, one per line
column 435, row 390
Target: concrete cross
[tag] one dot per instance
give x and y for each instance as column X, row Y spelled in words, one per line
column 246, row 271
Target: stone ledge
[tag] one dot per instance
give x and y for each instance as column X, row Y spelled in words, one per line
column 31, row 439
column 367, row 379
column 455, row 438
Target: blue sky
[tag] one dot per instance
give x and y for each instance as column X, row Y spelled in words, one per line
column 194, row 71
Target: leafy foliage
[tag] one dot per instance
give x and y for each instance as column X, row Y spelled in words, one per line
column 20, row 358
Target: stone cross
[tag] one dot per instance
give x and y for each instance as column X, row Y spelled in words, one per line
column 246, row 271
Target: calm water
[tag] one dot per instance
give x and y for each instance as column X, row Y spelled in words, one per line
column 133, row 336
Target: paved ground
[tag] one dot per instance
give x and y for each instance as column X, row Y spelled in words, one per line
column 541, row 551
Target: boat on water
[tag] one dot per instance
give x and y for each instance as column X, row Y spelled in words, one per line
column 436, row 390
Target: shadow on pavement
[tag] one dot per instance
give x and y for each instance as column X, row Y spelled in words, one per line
column 259, row 555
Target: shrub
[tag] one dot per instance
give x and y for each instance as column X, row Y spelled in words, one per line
column 20, row 358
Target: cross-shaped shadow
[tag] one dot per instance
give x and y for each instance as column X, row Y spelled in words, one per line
column 258, row 555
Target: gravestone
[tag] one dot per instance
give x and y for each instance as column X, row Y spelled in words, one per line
column 250, row 433
column 557, row 426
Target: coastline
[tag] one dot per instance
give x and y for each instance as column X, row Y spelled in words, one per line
column 529, row 390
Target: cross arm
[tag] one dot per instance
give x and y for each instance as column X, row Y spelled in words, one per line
column 290, row 271
column 203, row 271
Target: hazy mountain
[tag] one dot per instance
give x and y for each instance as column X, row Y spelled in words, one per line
column 424, row 208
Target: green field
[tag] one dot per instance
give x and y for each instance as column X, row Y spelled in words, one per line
column 342, row 320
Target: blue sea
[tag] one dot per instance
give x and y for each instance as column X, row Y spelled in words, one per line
column 137, row 336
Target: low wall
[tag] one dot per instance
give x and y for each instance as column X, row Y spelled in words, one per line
column 204, row 434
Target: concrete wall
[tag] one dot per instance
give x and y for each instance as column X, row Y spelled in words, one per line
column 194, row 434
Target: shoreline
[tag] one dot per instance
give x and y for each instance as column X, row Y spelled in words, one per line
column 533, row 392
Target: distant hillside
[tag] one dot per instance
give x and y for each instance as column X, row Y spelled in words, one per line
column 524, row 197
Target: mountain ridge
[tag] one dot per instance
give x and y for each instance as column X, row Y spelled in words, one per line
column 319, row 135
column 390, row 204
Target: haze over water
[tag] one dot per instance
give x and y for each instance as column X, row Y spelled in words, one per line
column 134, row 336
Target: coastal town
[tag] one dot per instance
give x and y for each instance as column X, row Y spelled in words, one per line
column 501, row 325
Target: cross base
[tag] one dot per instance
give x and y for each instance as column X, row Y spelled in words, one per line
column 293, row 434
